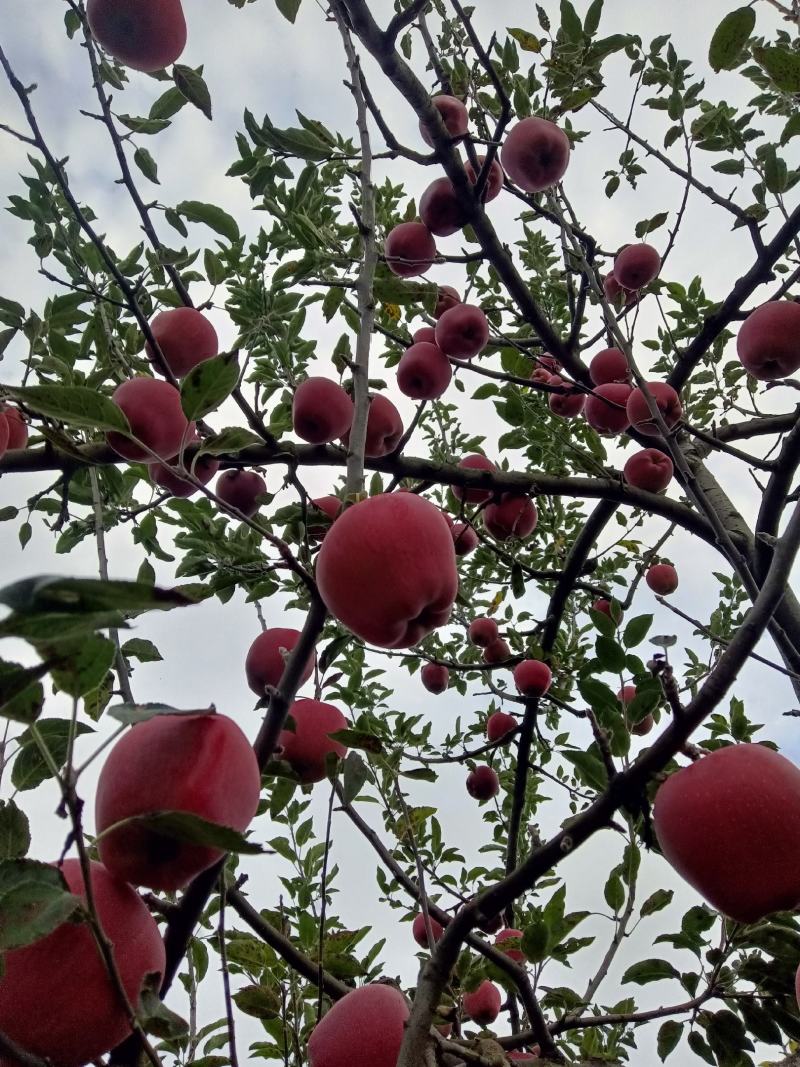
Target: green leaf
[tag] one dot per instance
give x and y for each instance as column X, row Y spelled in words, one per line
column 76, row 405
column 590, row 769
column 191, row 84
column 15, row 834
column 33, row 902
column 146, row 164
column 570, row 23
column 592, row 20
column 656, row 901
column 158, row 1020
column 209, row 383
column 535, row 939
column 355, row 773
column 649, row 971
column 79, row 667
column 211, row 215
column 216, row 272
column 168, row 104
column 141, row 125
column 130, row 714
column 229, row 441
column 529, row 42
column 259, row 1001
column 668, row 1037
column 288, row 8
column 391, row 290
column 614, row 892
column 782, row 65
column 86, row 596
column 58, row 626
column 30, row 768
column 730, row 37
column 610, row 654
column 21, row 692
column 359, row 739
column 183, row 826
column 142, row 649
column 636, row 630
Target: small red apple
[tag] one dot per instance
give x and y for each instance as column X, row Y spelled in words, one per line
column 535, row 154
column 424, row 333
column 409, row 249
column 441, row 210
column 605, row 409
column 500, row 724
column 643, row 726
column 435, row 677
column 532, row 678
column 241, row 489
column 447, row 298
column 614, row 293
column 662, row 578
column 649, row 469
column 768, row 343
column 420, row 934
column 424, row 372
column 668, row 402
column 483, row 783
column 4, row 434
column 454, row 116
column 514, row 953
column 185, row 337
column 610, row 365
column 566, row 405
column 513, row 518
column 483, row 1005
column 321, row 411
column 626, row 695
column 329, row 506
column 145, row 36
column 366, row 1027
column 384, row 428
column 267, row 656
column 465, row 540
column 541, row 376
column 462, row 331
column 475, row 461
column 204, row 470
column 636, row 266
column 17, row 427
column 603, row 606
column 497, row 652
column 483, row 631
column 154, row 413
column 494, row 183
column 308, row 743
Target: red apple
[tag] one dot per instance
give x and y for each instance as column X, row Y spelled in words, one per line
column 447, row 298
column 435, row 677
column 514, row 953
column 453, row 114
column 462, row 331
column 204, row 470
column 524, row 1057
column 566, row 405
column 57, row 1000
column 200, row 764
column 541, row 376
column 241, row 489
column 636, row 266
column 610, row 365
column 662, row 578
column 500, row 724
column 643, row 726
column 420, row 934
column 768, row 344
column 154, row 413
column 475, row 461
column 626, row 695
column 497, row 652
column 440, row 208
column 605, row 409
column 366, row 1027
column 729, row 823
column 185, row 337
column 532, row 678
column 266, row 658
column 483, row 1005
column 483, row 783
column 550, row 363
column 423, row 372
column 145, row 36
column 330, row 506
column 384, row 428
column 409, row 249
column 424, row 333
column 465, row 540
column 668, row 402
column 483, row 631
column 307, row 744
column 17, row 427
column 649, row 469
column 603, row 606
column 513, row 518
column 387, row 569
column 494, row 184
column 4, row 434
column 614, row 293
column 321, row 411
column 535, row 154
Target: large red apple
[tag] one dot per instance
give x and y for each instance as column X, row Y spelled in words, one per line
column 497, row 652
column 454, row 115
column 494, row 183
column 636, row 266
column 365, row 1028
column 662, row 578
column 266, row 658
column 500, row 724
column 384, row 428
column 241, row 489
column 185, row 337
column 483, row 1005
column 667, row 401
column 154, row 413
column 435, row 678
column 201, row 764
column 462, row 331
column 440, row 208
column 610, row 365
column 321, row 411
column 387, row 569
column 475, row 461
column 483, row 631
column 57, row 1000
column 768, row 343
column 730, row 825
column 424, row 372
column 145, row 36
column 510, row 519
column 566, row 405
column 17, row 426
column 532, row 678
column 649, row 469
column 535, row 154
column 605, row 409
column 307, row 744
column 420, row 934
column 409, row 249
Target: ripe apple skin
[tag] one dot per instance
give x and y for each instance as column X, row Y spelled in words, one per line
column 626, row 695
column 454, row 116
column 307, row 745
column 185, row 337
column 513, row 518
column 662, row 578
column 614, row 293
column 566, row 405
column 424, row 333
column 435, row 678
column 241, row 489
column 515, row 954
column 462, row 331
column 610, row 365
column 204, row 470
column 483, row 631
column 329, row 506
column 541, row 376
column 4, row 434
column 424, row 372
column 532, row 678
column 643, row 726
column 366, row 1027
column 605, row 409
column 768, row 344
column 475, row 461
column 17, row 427
column 153, row 410
column 649, row 469
column 56, row 998
column 321, row 411
column 419, row 933
column 265, row 664
column 603, row 606
column 483, row 783
column 465, row 540
column 440, row 208
column 535, row 154
column 636, row 266
column 524, row 1057
column 729, row 824
column 483, row 1005
column 384, row 427
column 387, row 569
column 499, row 724
column 202, row 764
column 669, row 404
column 448, row 298
column 409, row 249
column 497, row 652
column 494, row 184
column 146, row 37
column 549, row 362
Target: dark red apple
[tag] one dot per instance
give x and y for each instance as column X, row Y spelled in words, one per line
column 154, row 413
column 483, row 631
column 566, row 405
column 643, row 726
column 185, row 337
column 321, row 411
column 668, row 402
column 330, row 506
column 440, row 208
column 384, row 428
column 610, row 365
column 662, row 578
column 17, row 427
column 483, row 1005
column 768, row 344
column 200, row 764
column 603, row 606
column 497, row 652
column 649, row 469
column 477, row 462
column 465, row 540
column 483, row 783
column 4, row 434
column 494, row 183
column 532, row 678
column 636, row 266
column 605, row 409
column 204, row 470
column 387, row 569
column 266, row 658
column 366, row 1027
column 420, row 934
column 499, row 725
column 241, row 489
column 307, row 744
column 447, row 298
column 409, row 249
column 424, row 333
column 512, row 518
column 435, row 677
column 424, row 372
column 462, row 331
column 454, row 116
column 729, row 823
column 535, row 154
column 513, row 952
column 145, row 36
column 614, row 293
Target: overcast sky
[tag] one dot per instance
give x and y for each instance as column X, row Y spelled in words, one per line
column 254, row 58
